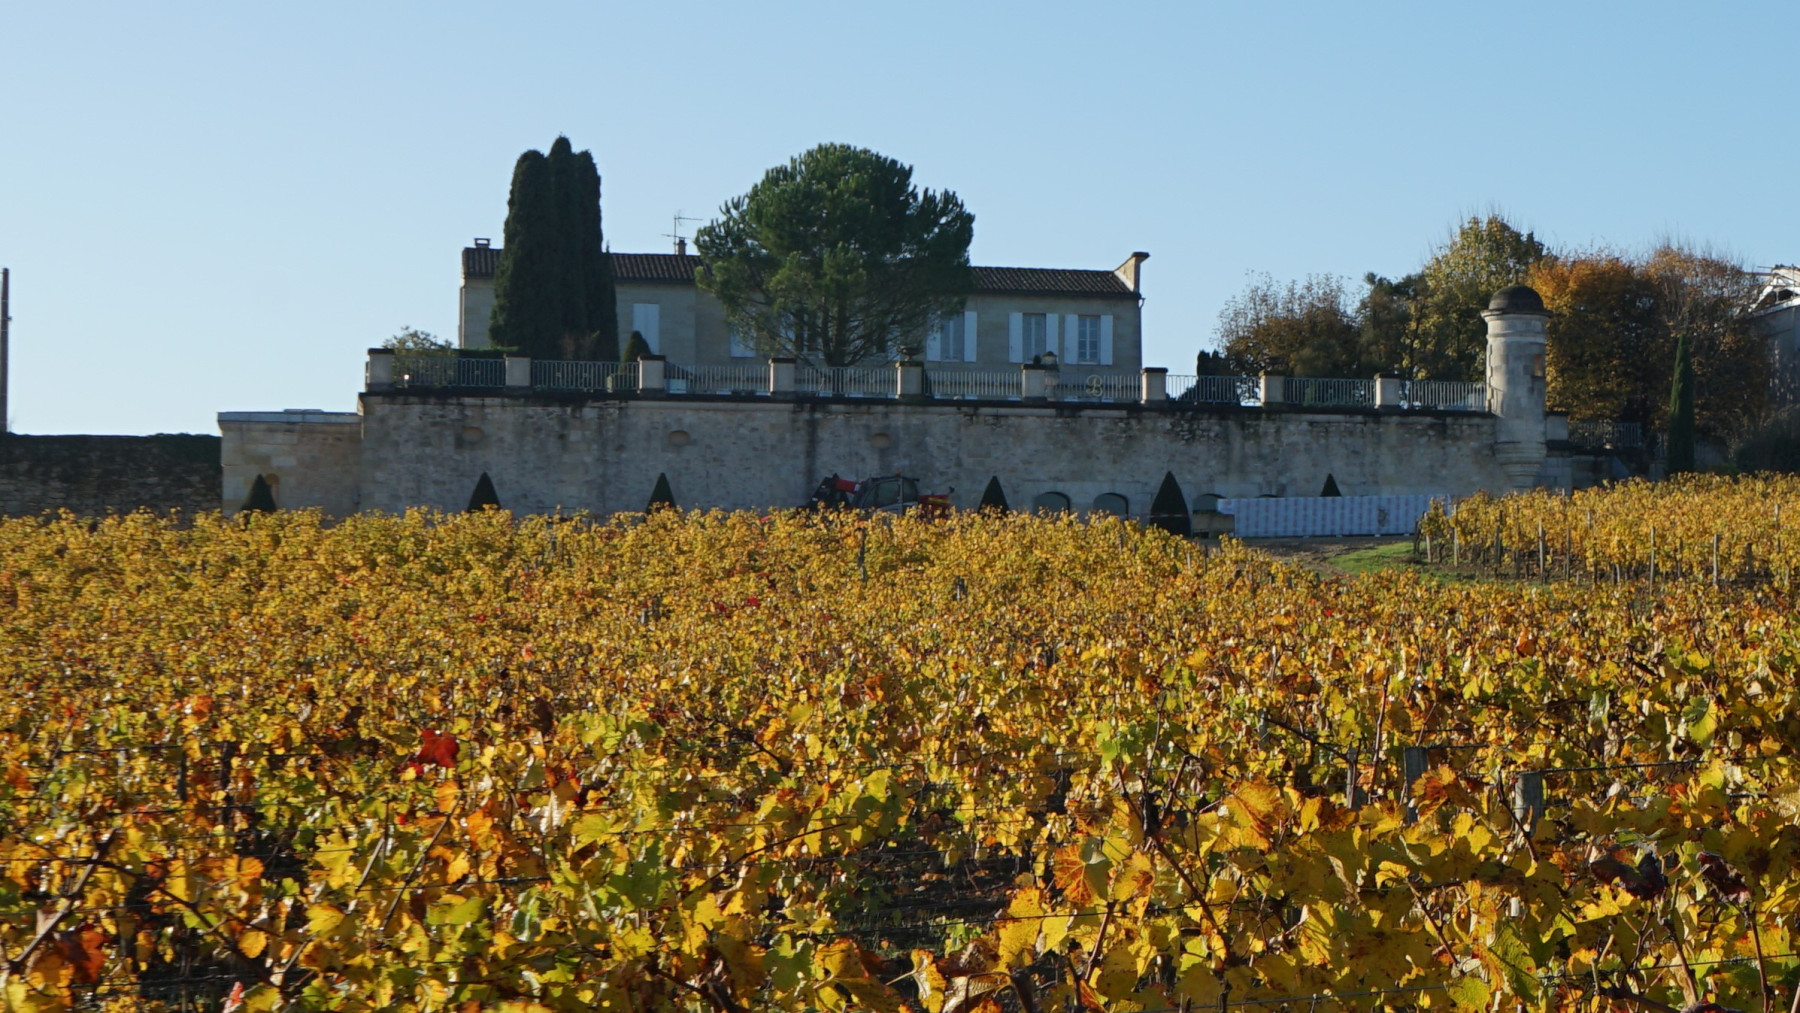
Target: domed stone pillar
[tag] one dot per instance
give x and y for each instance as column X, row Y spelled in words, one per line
column 1515, row 379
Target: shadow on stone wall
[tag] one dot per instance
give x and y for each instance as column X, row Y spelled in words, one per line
column 97, row 475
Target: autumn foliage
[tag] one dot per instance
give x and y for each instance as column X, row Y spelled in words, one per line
column 478, row 763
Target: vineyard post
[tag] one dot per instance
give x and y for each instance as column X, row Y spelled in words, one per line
column 1353, row 794
column 1653, row 557
column 1528, row 799
column 1715, row 559
column 1542, row 574
column 1412, row 765
column 1455, row 548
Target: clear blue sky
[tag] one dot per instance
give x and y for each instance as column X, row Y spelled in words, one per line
column 219, row 207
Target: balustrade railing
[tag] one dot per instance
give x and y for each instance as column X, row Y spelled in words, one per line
column 1606, row 435
column 845, row 381
column 734, row 379
column 1097, row 387
column 584, row 376
column 1232, row 390
column 448, row 371
column 1444, row 395
column 1325, row 393
column 972, row 385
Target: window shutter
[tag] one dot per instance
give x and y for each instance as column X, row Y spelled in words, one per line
column 1072, row 337
column 1052, row 336
column 1015, row 337
column 969, row 336
column 1106, row 351
column 934, row 340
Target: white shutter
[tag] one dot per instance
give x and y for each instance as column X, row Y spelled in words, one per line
column 1106, row 351
column 969, row 336
column 934, row 344
column 1052, row 336
column 646, row 319
column 1015, row 337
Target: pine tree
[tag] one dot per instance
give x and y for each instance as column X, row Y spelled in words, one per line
column 993, row 497
column 484, row 495
column 661, row 498
column 1681, row 410
column 1169, row 510
column 553, row 288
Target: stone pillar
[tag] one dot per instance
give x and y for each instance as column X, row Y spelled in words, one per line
column 518, row 373
column 379, row 373
column 653, row 375
column 1274, row 390
column 1034, row 382
column 1153, row 384
column 909, row 379
column 1387, row 391
column 1515, row 381
column 781, row 377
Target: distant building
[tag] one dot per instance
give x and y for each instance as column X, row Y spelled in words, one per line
column 1777, row 314
column 1090, row 319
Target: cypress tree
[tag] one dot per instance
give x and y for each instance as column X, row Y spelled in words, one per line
column 261, row 499
column 993, row 497
column 484, row 495
column 636, row 348
column 660, row 497
column 1331, row 488
column 1681, row 410
column 1169, row 510
column 553, row 287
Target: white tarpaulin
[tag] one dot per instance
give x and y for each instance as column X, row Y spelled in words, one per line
column 1312, row 516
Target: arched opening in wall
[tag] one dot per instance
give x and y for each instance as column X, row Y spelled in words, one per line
column 1207, row 503
column 661, row 497
column 484, row 497
column 261, row 499
column 1169, row 510
column 993, row 497
column 1050, row 503
column 1111, row 503
column 1331, row 488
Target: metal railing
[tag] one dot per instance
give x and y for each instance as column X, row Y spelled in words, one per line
column 971, row 385
column 1324, row 393
column 721, row 380
column 1444, row 395
column 1233, row 390
column 609, row 377
column 1071, row 386
column 448, row 371
column 1606, row 435
column 846, row 381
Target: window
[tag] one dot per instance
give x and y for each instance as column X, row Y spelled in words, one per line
column 646, row 319
column 1050, row 502
column 1111, row 502
column 742, row 346
column 951, row 335
column 1036, row 334
column 1087, row 339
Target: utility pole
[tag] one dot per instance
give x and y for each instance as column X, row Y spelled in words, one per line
column 5, row 350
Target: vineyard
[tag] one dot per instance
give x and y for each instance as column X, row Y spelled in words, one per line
column 724, row 763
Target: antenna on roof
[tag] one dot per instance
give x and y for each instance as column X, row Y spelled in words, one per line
column 680, row 240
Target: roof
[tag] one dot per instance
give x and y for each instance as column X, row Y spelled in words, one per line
column 1517, row 299
column 678, row 269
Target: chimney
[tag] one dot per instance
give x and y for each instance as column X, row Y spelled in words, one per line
column 680, row 247
column 482, row 244
column 1130, row 271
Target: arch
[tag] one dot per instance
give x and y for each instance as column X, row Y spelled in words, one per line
column 1050, row 503
column 661, row 497
column 1331, row 488
column 1207, row 503
column 484, row 496
column 993, row 497
column 1169, row 510
column 261, row 499
column 1111, row 503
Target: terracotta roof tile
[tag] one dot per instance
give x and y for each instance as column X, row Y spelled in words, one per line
column 678, row 269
